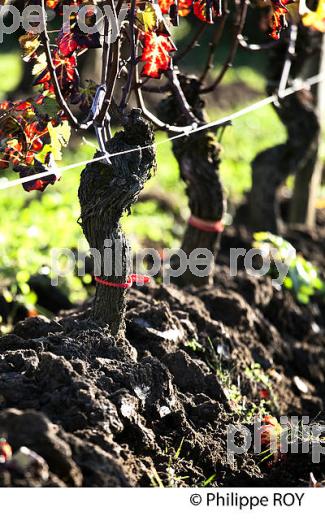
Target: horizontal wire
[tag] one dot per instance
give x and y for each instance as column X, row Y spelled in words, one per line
column 296, row 87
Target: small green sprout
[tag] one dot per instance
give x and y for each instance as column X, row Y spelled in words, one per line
column 302, row 279
column 194, row 345
column 171, row 478
column 209, row 480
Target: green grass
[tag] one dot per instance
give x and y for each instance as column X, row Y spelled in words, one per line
column 32, row 224
column 10, row 72
column 248, row 136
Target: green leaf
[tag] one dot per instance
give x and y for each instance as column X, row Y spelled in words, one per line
column 209, row 480
column 302, row 279
column 178, row 452
column 48, row 107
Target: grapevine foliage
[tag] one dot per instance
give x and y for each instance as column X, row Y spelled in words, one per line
column 33, row 131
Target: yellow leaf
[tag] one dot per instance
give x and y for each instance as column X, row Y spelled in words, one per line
column 41, row 156
column 29, row 43
column 316, row 19
column 60, row 136
column 147, row 19
column 40, row 65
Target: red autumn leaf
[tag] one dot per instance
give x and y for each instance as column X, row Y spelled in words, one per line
column 206, row 15
column 52, row 4
column 5, row 105
column 65, row 67
column 76, row 40
column 37, row 184
column 44, row 78
column 22, row 106
column 200, row 11
column 278, row 20
column 165, row 5
column 23, row 134
column 264, row 393
column 29, row 159
column 35, row 128
column 67, row 44
column 155, row 54
column 184, row 6
column 66, row 71
column 13, row 152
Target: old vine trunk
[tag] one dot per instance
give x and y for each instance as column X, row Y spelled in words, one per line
column 105, row 193
column 299, row 153
column 198, row 159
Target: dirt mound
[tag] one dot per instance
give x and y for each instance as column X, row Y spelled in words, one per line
column 154, row 409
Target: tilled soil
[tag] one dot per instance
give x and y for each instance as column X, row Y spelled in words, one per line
column 153, row 409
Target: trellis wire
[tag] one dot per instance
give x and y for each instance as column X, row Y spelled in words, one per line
column 296, row 87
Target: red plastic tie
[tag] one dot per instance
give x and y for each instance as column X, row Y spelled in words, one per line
column 209, row 226
column 132, row 278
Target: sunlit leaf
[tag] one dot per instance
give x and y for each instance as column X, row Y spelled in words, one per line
column 202, row 12
column 29, row 43
column 40, row 64
column 52, row 4
column 278, row 17
column 60, row 136
column 184, row 6
column 165, row 5
column 316, row 19
column 156, row 55
column 147, row 19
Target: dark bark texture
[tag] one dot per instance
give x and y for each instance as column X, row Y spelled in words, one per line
column 105, row 193
column 198, row 159
column 298, row 154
